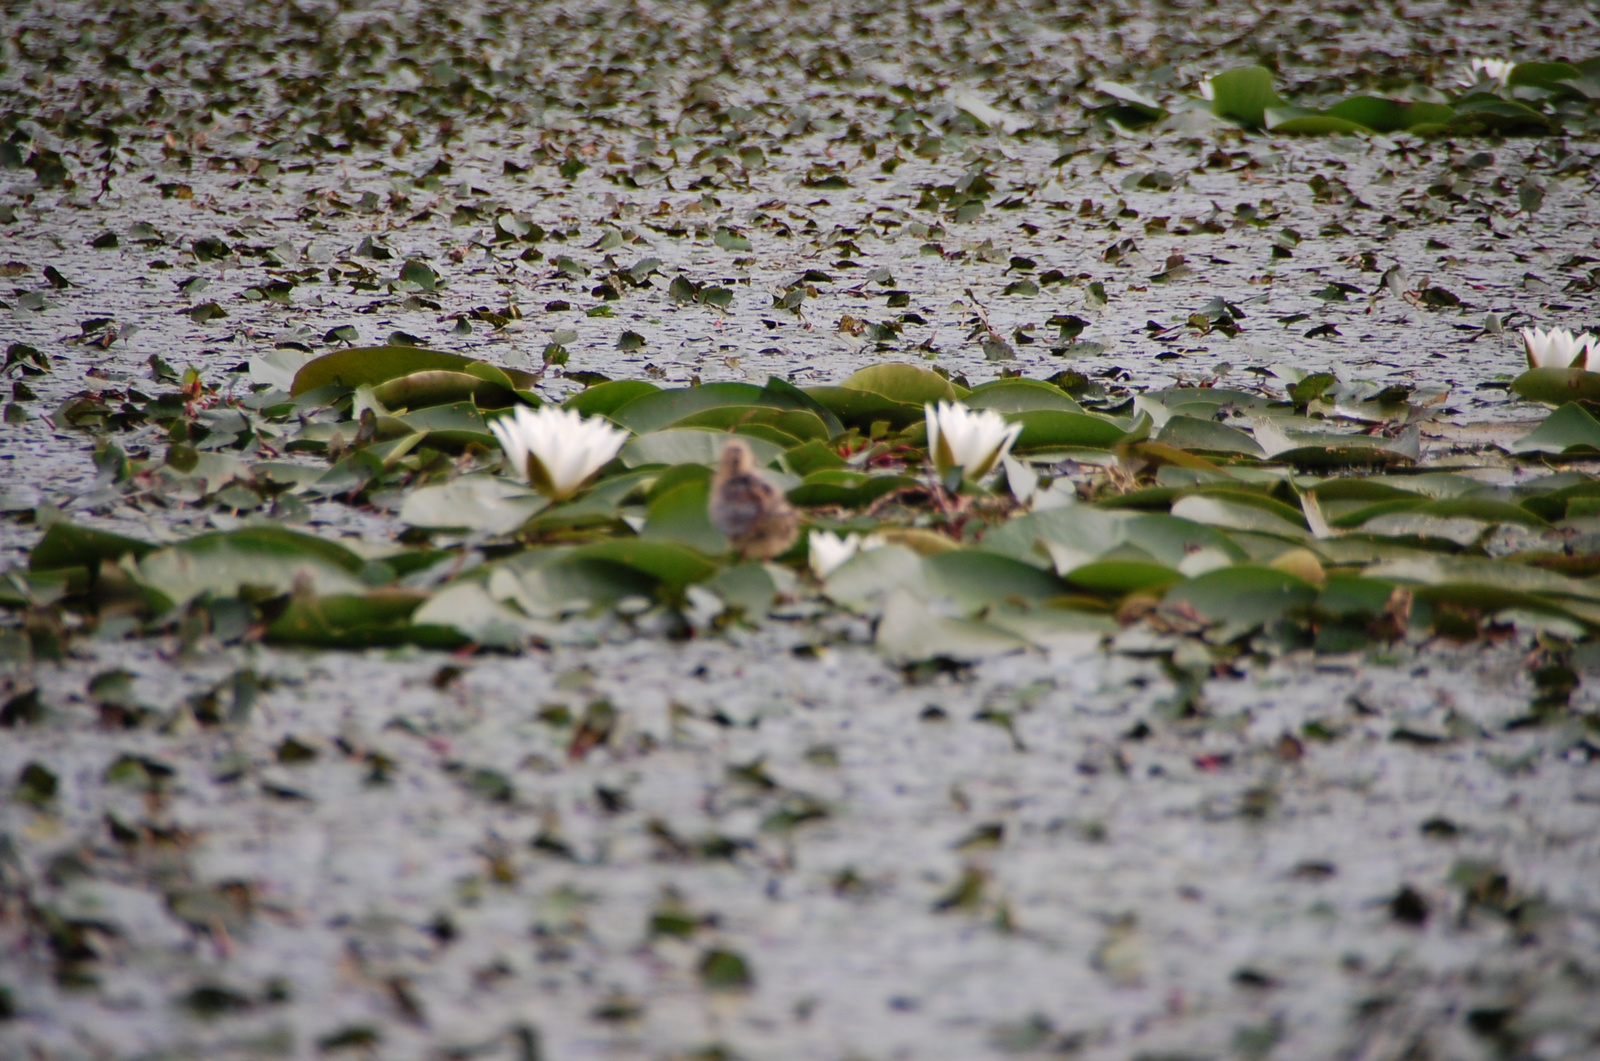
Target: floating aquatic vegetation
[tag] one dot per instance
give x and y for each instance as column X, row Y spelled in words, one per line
column 1494, row 97
column 1234, row 515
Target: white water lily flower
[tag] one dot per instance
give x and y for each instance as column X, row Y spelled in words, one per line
column 829, row 551
column 972, row 440
column 1558, row 348
column 557, row 450
column 1206, row 91
column 1481, row 70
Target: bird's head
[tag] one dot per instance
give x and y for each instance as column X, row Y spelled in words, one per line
column 736, row 459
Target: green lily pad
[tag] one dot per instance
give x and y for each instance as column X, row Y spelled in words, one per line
column 457, row 426
column 1558, row 386
column 748, row 587
column 680, row 514
column 1235, row 513
column 811, row 457
column 692, row 445
column 1213, row 399
column 603, row 399
column 1198, row 435
column 1542, row 75
column 903, row 383
column 1305, row 121
column 262, row 560
column 439, row 387
column 382, row 617
column 488, row 503
column 373, row 365
column 674, row 565
column 1484, row 573
column 974, row 579
column 1494, row 115
column 1244, row 596
column 864, row 582
column 1388, row 115
column 1243, row 94
column 847, row 489
column 1020, row 395
column 800, row 424
column 1118, row 577
column 1054, row 428
column 1351, row 595
column 67, row 545
column 908, row 632
column 861, row 409
column 1068, row 538
column 652, row 412
column 467, row 610
column 788, row 396
column 1570, row 429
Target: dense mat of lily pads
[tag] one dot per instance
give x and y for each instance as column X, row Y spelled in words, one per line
column 1270, row 518
column 1495, row 96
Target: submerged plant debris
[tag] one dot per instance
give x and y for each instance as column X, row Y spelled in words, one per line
column 1232, row 702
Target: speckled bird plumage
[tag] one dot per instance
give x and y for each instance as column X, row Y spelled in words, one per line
column 746, row 507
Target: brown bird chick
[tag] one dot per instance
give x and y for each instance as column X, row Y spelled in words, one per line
column 748, row 508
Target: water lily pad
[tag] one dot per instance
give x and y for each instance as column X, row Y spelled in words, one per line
column 1570, row 429
column 1212, row 400
column 799, row 424
column 811, row 457
column 488, row 503
column 265, row 560
column 680, row 514
column 1237, row 513
column 1542, row 75
column 1243, row 94
column 692, row 445
column 1068, row 538
column 861, row 409
column 1116, row 577
column 1305, row 121
column 674, row 565
column 903, row 383
column 750, row 587
column 1244, row 596
column 467, row 609
column 1020, row 395
column 1388, row 115
column 908, row 632
column 382, row 617
column 974, row 579
column 1044, row 429
column 439, row 387
column 845, row 488
column 605, row 398
column 1479, row 114
column 1198, row 435
column 373, row 365
column 1485, row 573
column 1557, row 386
column 457, row 426
column 657, row 410
column 1052, row 627
column 67, row 545
column 864, row 582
